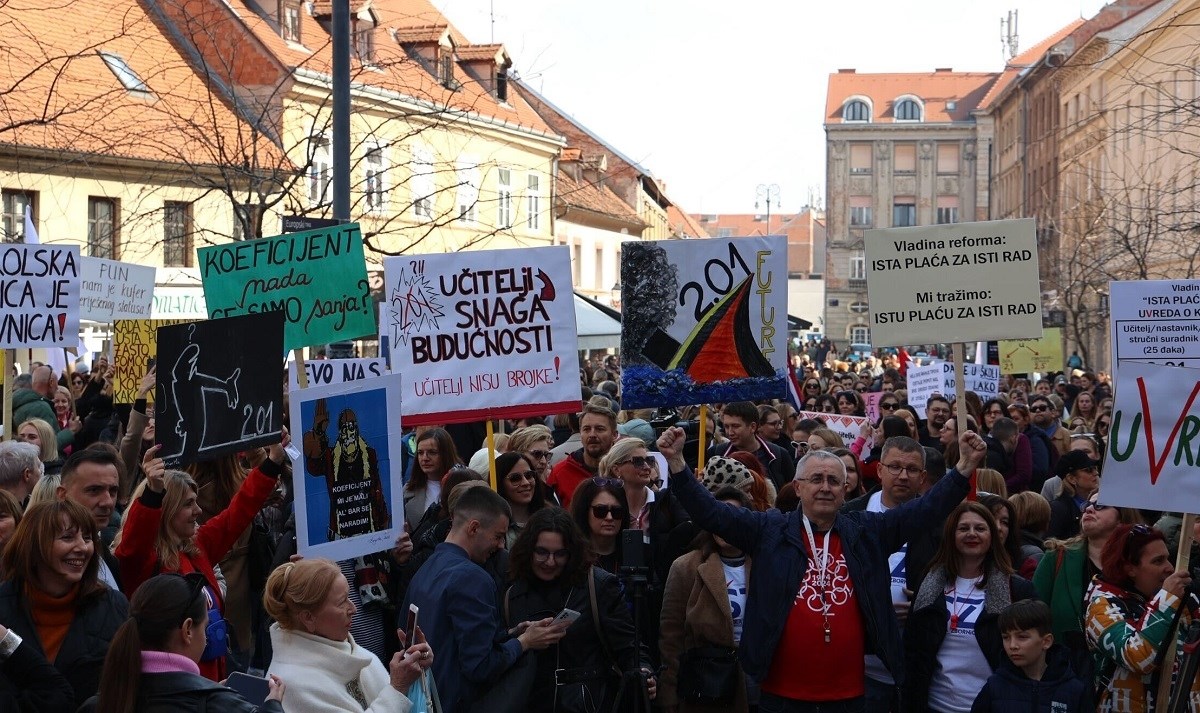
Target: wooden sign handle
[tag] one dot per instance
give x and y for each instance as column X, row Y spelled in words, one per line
column 960, row 404
column 1182, row 561
column 10, row 358
column 491, row 446
column 700, row 447
column 301, row 370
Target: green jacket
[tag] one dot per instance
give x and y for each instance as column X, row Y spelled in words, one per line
column 1059, row 582
column 28, row 404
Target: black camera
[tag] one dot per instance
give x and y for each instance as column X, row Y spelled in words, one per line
column 635, row 551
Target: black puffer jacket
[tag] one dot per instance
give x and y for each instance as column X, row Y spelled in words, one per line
column 925, row 630
column 1009, row 690
column 81, row 656
column 581, row 652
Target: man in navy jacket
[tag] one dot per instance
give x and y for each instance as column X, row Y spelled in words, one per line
column 807, row 628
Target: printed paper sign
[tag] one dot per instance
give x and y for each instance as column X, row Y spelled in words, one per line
column 871, row 399
column 349, row 499
column 483, row 334
column 317, row 279
column 336, row 371
column 939, row 378
column 1026, row 356
column 703, row 321
column 848, row 427
column 39, row 296
column 962, row 282
column 1156, row 322
column 111, row 290
column 218, row 387
column 1154, row 440
column 135, row 346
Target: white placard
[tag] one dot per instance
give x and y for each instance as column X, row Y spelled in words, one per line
column 848, row 427
column 939, row 378
column 336, row 371
column 1155, row 322
column 348, row 479
column 1154, row 440
column 39, row 296
column 963, row 282
column 111, row 290
column 483, row 334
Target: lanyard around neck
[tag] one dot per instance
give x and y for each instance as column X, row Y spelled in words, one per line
column 821, row 556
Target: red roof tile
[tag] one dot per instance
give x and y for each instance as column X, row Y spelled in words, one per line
column 594, row 197
column 1023, row 61
column 684, row 224
column 935, row 90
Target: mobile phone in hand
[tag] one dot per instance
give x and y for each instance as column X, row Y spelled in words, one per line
column 254, row 689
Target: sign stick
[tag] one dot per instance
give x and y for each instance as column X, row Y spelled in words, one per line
column 1182, row 560
column 960, row 399
column 301, row 370
column 491, row 442
column 10, row 358
column 700, row 447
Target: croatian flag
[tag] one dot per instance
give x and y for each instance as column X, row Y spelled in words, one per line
column 793, row 387
column 31, row 236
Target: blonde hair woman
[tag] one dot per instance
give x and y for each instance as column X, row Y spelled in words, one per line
column 535, row 442
column 41, row 434
column 315, row 653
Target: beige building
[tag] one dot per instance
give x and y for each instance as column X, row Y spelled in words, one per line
column 901, row 150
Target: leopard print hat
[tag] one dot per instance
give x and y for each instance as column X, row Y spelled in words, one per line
column 720, row 471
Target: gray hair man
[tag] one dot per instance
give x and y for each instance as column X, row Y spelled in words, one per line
column 20, row 469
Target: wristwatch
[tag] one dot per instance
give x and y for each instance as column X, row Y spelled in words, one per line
column 9, row 644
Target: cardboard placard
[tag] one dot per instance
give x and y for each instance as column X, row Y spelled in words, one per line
column 1026, row 356
column 336, row 371
column 703, row 321
column 963, row 282
column 135, row 346
column 483, row 334
column 1154, row 440
column 848, row 427
column 317, row 279
column 1155, row 322
column 218, row 387
column 940, row 378
column 349, row 497
column 871, row 399
column 39, row 296
column 111, row 290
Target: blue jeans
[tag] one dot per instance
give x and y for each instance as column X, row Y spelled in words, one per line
column 770, row 703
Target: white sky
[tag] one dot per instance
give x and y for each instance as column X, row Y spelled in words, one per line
column 716, row 97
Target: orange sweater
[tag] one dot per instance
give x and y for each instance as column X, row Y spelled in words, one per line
column 52, row 617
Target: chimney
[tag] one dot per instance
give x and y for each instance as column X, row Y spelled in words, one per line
column 846, row 71
column 943, row 69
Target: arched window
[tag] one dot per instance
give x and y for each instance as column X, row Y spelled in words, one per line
column 856, row 110
column 907, row 110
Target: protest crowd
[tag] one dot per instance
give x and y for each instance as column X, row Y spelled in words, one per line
column 797, row 570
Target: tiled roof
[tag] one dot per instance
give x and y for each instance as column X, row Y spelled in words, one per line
column 935, row 89
column 743, row 225
column 63, row 96
column 421, row 33
column 1024, row 61
column 684, row 224
column 392, row 69
column 597, row 198
column 477, row 52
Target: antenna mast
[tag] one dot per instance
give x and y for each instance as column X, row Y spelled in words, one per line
column 1008, row 35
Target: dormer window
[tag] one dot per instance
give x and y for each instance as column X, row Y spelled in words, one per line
column 446, row 70
column 364, row 36
column 856, row 110
column 289, row 20
column 907, row 110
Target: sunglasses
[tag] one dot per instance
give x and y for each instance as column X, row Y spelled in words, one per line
column 1138, row 531
column 890, row 406
column 515, row 478
column 1097, row 507
column 640, row 461
column 540, row 454
column 800, row 446
column 601, row 512
column 605, row 482
column 812, row 386
column 1038, row 409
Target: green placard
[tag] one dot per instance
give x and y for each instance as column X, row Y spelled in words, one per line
column 317, row 278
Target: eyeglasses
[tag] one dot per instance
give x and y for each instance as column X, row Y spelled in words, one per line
column 776, row 422
column 539, row 454
column 601, row 512
column 896, row 469
column 541, row 554
column 515, row 478
column 818, row 480
column 1038, row 409
column 890, row 406
column 640, row 461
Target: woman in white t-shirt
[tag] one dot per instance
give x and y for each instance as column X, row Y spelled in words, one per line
column 704, row 602
column 952, row 642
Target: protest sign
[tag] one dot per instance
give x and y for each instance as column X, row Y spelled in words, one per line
column 871, row 399
column 848, row 427
column 1156, row 322
column 336, row 371
column 135, row 347
column 349, row 499
column 218, row 387
column 111, row 290
column 703, row 321
column 940, row 378
column 1026, row 356
column 962, row 282
column 1154, row 440
column 483, row 334
column 39, row 296
column 317, row 279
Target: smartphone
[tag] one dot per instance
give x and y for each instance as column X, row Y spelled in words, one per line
column 567, row 615
column 410, row 629
column 253, row 688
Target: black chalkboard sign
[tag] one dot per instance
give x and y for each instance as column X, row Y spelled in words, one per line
column 218, row 387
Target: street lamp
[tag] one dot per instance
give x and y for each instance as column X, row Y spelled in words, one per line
column 616, row 294
column 767, row 192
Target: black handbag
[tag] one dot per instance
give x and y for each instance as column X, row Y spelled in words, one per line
column 708, row 675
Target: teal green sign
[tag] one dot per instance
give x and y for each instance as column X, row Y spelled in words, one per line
column 317, row 278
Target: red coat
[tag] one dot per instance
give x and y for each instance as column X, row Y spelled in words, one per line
column 567, row 475
column 214, row 539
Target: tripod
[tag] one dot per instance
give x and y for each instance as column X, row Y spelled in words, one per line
column 633, row 683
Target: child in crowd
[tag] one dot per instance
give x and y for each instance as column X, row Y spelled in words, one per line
column 1037, row 676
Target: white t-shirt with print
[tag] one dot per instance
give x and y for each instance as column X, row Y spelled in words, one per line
column 962, row 669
